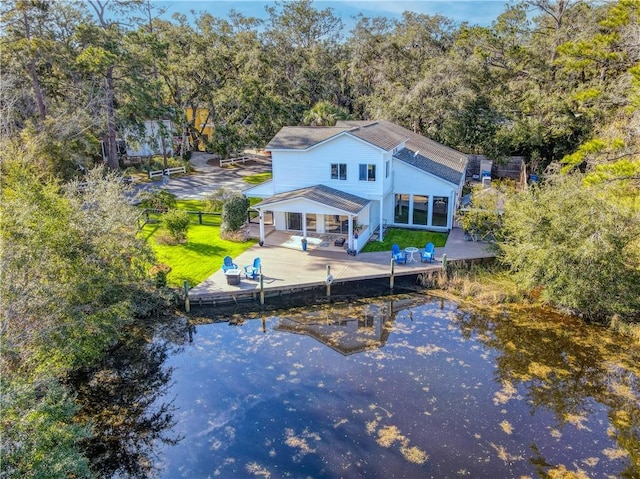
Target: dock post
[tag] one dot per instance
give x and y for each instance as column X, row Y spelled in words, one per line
column 187, row 305
column 329, row 281
column 391, row 278
column 261, row 287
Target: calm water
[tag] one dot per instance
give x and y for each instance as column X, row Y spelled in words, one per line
column 409, row 388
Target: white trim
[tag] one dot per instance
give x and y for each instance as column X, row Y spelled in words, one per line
column 330, row 209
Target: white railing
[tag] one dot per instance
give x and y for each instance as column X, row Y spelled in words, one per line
column 233, row 161
column 170, row 171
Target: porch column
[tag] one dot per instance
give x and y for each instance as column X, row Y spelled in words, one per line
column 304, row 225
column 380, row 232
column 350, row 242
column 261, row 226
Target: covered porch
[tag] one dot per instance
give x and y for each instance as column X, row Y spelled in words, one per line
column 318, row 212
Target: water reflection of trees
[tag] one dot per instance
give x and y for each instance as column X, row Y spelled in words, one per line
column 123, row 400
column 564, row 365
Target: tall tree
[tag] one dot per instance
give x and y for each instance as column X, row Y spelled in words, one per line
column 300, row 43
column 578, row 244
column 413, row 81
column 74, row 277
column 35, row 37
column 606, row 66
column 102, row 55
column 25, row 23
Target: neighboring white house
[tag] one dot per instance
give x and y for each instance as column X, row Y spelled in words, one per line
column 151, row 139
column 354, row 177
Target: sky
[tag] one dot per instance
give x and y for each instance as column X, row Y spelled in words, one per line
column 474, row 12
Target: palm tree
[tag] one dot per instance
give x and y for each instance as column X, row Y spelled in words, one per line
column 324, row 113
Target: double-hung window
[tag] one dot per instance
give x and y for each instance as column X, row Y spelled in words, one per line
column 367, row 172
column 338, row 171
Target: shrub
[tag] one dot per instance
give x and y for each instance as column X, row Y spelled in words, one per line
column 157, row 199
column 161, row 279
column 234, row 213
column 216, row 199
column 177, row 223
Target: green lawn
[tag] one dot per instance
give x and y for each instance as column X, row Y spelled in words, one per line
column 257, row 178
column 404, row 238
column 201, row 255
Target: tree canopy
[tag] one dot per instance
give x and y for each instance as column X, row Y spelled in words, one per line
column 544, row 81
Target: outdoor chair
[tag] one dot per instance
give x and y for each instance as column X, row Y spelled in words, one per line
column 228, row 264
column 429, row 253
column 252, row 270
column 398, row 255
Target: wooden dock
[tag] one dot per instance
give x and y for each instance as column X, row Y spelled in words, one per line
column 287, row 269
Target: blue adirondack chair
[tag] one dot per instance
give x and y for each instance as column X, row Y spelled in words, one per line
column 429, row 253
column 252, row 270
column 398, row 255
column 228, row 264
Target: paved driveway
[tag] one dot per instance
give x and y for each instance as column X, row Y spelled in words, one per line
column 207, row 178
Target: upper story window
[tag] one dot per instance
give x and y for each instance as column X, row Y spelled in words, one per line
column 387, row 168
column 338, row 171
column 367, row 172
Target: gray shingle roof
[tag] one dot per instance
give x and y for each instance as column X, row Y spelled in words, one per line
column 430, row 166
column 321, row 194
column 301, row 137
column 432, row 156
column 421, row 152
column 380, row 135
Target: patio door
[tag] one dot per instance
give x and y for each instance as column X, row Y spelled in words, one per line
column 294, row 221
column 336, row 224
column 311, row 222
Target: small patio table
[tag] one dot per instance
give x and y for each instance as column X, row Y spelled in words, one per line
column 411, row 250
column 233, row 276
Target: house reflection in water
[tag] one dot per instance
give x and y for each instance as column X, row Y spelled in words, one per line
column 347, row 329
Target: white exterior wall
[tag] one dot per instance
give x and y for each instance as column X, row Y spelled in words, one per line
column 413, row 181
column 299, row 169
column 279, row 220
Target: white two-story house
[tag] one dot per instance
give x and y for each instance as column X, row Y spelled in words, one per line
column 358, row 177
